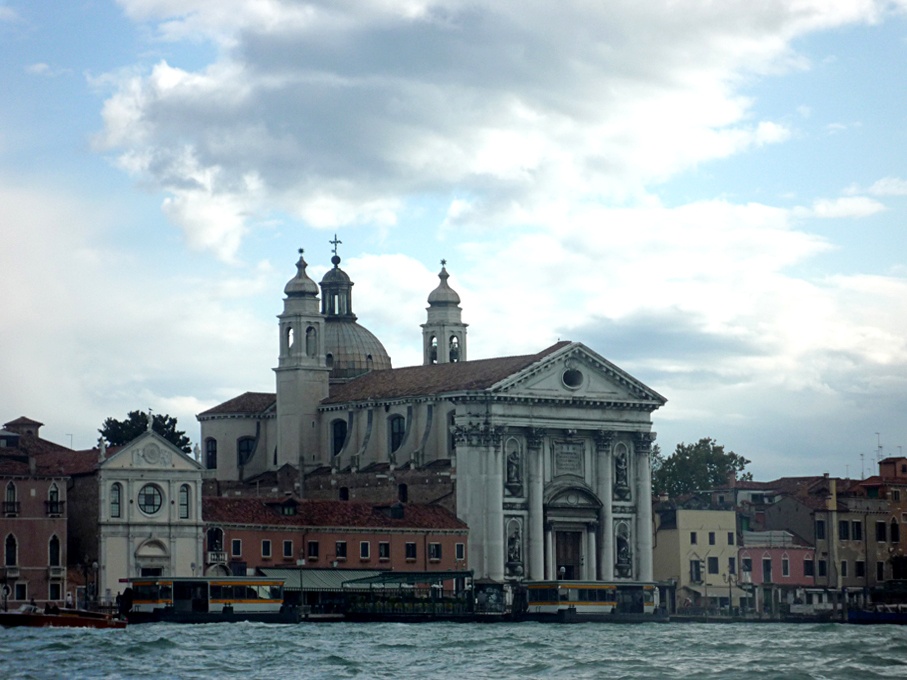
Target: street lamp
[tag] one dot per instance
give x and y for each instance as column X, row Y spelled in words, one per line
column 731, row 580
column 300, row 563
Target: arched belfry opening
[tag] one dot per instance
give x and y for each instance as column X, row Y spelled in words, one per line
column 444, row 333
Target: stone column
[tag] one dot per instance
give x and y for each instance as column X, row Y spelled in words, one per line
column 534, row 438
column 644, row 505
column 495, row 544
column 550, row 566
column 603, row 441
column 591, row 562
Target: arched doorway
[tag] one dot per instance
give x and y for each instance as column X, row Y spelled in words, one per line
column 571, row 521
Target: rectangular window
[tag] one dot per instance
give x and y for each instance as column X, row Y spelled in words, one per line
column 844, row 530
column 896, row 495
column 340, row 550
column 823, row 569
column 410, row 551
column 434, row 551
column 856, row 530
column 880, row 571
column 364, row 550
column 809, row 567
column 860, row 568
column 56, row 591
column 881, row 534
column 785, row 566
column 236, row 547
column 384, row 550
column 695, row 571
column 730, row 538
column 843, row 568
column 312, row 550
column 288, row 548
column 732, row 565
column 746, row 564
column 767, row 569
column 820, row 529
column 266, row 549
column 692, row 538
column 461, row 551
column 711, row 538
column 21, row 592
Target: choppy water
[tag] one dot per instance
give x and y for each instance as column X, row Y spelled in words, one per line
column 443, row 650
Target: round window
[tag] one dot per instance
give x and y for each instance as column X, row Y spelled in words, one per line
column 572, row 378
column 150, row 499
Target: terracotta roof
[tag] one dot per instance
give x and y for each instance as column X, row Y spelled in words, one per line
column 397, row 383
column 251, row 403
column 316, row 513
column 22, row 420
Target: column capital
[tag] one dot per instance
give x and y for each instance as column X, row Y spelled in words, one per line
column 534, row 437
column 603, row 439
column 644, row 441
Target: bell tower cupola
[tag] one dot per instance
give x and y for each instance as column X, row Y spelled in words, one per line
column 443, row 333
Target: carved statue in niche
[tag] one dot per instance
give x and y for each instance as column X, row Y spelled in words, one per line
column 515, row 550
column 623, row 567
column 513, row 480
column 621, row 476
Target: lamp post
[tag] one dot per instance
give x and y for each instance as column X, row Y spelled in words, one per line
column 300, row 563
column 731, row 580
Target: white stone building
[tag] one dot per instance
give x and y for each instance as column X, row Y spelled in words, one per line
column 149, row 513
column 548, row 453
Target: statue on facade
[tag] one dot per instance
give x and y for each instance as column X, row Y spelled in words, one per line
column 513, row 467
column 515, row 552
column 621, row 476
column 624, row 565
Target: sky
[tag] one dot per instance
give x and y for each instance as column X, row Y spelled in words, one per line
column 711, row 195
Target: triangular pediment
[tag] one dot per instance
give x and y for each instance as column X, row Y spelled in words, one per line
column 577, row 373
column 152, row 452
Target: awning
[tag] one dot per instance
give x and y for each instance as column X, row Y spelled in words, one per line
column 397, row 578
column 318, row 579
column 717, row 591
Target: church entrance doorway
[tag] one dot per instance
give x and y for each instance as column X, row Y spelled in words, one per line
column 568, row 552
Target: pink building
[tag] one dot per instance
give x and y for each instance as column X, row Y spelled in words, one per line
column 776, row 568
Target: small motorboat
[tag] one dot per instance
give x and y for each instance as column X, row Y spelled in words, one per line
column 31, row 616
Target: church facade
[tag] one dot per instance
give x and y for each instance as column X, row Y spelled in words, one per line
column 545, row 456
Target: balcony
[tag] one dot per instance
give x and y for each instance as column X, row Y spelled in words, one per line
column 54, row 508
column 56, row 573
column 217, row 557
column 11, row 572
column 11, row 508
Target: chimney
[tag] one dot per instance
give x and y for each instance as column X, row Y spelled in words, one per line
column 732, row 479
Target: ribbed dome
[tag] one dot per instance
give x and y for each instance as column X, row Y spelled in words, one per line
column 353, row 349
column 301, row 285
column 443, row 294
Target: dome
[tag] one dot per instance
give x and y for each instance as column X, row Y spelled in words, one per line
column 352, row 349
column 301, row 285
column 443, row 294
column 336, row 275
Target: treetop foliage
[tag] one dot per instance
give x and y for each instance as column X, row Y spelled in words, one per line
column 696, row 467
column 120, row 432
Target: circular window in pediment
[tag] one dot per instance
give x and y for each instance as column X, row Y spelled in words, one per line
column 572, row 378
column 150, row 499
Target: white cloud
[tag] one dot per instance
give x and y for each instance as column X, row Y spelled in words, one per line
column 848, row 206
column 345, row 111
column 889, row 186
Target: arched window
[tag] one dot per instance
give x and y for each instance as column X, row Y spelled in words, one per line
column 402, row 493
column 895, row 535
column 311, row 341
column 10, row 493
column 454, row 349
column 53, row 494
column 291, row 338
column 53, row 552
column 10, row 505
column 116, row 495
column 10, row 552
column 215, row 540
column 433, row 350
column 184, row 501
column 245, row 446
column 338, row 435
column 210, row 453
column 54, row 506
column 397, row 429
column 344, row 493
column 329, row 360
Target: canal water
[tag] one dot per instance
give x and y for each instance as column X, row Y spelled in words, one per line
column 448, row 650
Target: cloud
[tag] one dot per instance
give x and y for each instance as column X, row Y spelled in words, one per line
column 848, row 206
column 889, row 186
column 344, row 112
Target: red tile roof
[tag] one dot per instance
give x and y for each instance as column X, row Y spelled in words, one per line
column 397, row 383
column 22, row 420
column 317, row 513
column 252, row 403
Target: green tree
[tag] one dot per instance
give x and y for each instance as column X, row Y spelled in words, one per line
column 696, row 467
column 119, row 432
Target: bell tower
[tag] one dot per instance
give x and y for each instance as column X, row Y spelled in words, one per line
column 443, row 333
column 302, row 374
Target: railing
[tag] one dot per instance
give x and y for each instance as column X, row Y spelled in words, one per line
column 11, row 572
column 10, row 508
column 217, row 557
column 56, row 572
column 54, row 507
